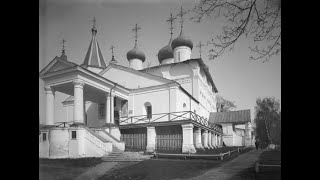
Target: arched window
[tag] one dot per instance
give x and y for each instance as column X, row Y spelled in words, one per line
column 184, row 105
column 148, row 107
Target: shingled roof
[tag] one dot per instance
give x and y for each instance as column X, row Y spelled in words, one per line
column 237, row 117
column 94, row 56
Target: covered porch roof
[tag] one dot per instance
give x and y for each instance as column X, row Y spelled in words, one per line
column 234, row 117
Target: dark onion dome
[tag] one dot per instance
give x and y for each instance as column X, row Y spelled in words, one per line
column 135, row 53
column 182, row 40
column 165, row 52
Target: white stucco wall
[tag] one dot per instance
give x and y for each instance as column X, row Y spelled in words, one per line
column 181, row 53
column 159, row 100
column 43, row 145
column 238, row 140
column 136, row 64
column 59, row 143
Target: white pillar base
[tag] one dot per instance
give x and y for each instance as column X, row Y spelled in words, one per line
column 198, row 143
column 187, row 141
column 151, row 139
column 205, row 139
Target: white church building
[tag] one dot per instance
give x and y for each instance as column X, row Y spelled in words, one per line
column 115, row 108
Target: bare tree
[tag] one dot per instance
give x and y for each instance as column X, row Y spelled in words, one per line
column 224, row 105
column 257, row 19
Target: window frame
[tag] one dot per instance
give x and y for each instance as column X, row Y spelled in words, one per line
column 44, row 137
column 75, row 133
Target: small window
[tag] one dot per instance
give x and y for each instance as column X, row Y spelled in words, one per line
column 148, row 109
column 73, row 134
column 102, row 111
column 149, row 112
column 44, row 136
column 184, row 105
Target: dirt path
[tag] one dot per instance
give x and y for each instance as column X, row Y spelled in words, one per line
column 231, row 168
column 96, row 171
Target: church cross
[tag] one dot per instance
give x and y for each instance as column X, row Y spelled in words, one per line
column 199, row 46
column 135, row 30
column 171, row 19
column 181, row 13
column 94, row 22
column 63, row 50
column 112, row 47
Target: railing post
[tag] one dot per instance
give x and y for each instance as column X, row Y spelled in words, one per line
column 257, row 167
column 131, row 119
column 229, row 153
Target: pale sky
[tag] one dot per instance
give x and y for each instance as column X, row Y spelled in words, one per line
column 235, row 76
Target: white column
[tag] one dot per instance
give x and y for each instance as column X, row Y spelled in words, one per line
column 209, row 140
column 108, row 116
column 151, row 139
column 213, row 140
column 198, row 138
column 217, row 139
column 78, row 101
column 49, row 106
column 187, row 139
column 205, row 138
column 112, row 109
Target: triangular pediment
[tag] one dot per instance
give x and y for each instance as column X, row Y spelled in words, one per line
column 57, row 64
column 132, row 79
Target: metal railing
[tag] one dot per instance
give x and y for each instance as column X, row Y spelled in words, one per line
column 163, row 117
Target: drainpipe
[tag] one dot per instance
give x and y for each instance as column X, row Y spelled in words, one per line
column 115, row 84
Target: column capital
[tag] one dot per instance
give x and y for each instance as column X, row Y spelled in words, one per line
column 205, row 131
column 198, row 130
column 150, row 127
column 78, row 82
column 48, row 89
column 187, row 126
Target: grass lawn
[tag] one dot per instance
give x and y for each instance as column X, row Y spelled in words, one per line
column 64, row 168
column 164, row 168
column 160, row 169
column 270, row 157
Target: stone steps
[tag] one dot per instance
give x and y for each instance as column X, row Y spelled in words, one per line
column 125, row 157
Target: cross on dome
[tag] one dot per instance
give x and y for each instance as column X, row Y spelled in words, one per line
column 135, row 30
column 63, row 50
column 94, row 30
column 112, row 60
column 171, row 20
column 181, row 13
column 199, row 46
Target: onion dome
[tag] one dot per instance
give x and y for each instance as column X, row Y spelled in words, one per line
column 136, row 53
column 165, row 52
column 182, row 40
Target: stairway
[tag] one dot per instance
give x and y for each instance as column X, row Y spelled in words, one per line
column 126, row 156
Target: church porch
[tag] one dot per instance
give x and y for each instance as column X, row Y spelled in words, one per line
column 178, row 135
